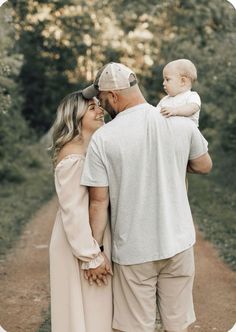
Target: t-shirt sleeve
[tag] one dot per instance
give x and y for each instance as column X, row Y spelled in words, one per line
column 94, row 172
column 194, row 98
column 199, row 145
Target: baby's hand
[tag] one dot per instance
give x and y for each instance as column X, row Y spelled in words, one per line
column 168, row 111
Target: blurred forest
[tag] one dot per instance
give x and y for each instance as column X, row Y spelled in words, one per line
column 50, row 48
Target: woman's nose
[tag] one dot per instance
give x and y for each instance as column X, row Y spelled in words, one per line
column 99, row 110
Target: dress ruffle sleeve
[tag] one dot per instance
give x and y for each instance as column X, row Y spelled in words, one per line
column 74, row 211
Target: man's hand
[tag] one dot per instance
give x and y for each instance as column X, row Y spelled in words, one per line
column 100, row 274
column 168, row 111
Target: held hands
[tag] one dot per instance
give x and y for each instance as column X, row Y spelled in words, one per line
column 100, row 274
column 168, row 111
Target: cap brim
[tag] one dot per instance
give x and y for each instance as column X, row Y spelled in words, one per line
column 90, row 92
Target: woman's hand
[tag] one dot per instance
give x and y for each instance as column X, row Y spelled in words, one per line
column 100, row 274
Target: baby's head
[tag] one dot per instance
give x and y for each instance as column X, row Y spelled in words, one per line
column 179, row 76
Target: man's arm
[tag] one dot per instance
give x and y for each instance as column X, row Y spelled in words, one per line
column 200, row 165
column 98, row 211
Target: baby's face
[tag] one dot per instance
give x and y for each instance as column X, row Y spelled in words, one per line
column 172, row 81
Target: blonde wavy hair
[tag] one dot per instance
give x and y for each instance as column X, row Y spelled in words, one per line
column 68, row 125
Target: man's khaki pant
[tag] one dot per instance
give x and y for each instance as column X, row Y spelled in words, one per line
column 138, row 289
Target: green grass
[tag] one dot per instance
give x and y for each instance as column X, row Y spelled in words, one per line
column 20, row 199
column 213, row 205
column 46, row 325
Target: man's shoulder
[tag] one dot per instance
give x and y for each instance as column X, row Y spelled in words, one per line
column 122, row 118
column 183, row 123
column 139, row 108
column 103, row 131
column 116, row 124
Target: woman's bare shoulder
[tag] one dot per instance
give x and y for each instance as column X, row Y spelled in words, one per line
column 71, row 148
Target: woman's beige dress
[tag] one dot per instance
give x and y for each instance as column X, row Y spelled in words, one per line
column 75, row 305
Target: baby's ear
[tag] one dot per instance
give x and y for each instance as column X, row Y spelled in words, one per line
column 185, row 80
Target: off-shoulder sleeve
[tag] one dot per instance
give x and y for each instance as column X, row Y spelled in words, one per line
column 74, row 212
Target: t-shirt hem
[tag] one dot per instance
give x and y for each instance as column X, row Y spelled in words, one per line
column 152, row 259
column 93, row 184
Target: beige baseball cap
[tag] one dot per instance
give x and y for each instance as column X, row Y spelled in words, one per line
column 112, row 76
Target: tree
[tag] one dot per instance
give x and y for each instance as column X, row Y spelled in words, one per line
column 13, row 128
column 65, row 42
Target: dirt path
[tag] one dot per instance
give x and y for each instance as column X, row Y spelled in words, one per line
column 24, row 285
column 214, row 290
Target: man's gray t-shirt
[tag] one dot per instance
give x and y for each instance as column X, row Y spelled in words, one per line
column 142, row 157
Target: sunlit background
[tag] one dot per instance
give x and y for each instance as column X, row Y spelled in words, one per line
column 50, row 48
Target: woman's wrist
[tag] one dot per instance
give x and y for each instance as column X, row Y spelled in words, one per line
column 93, row 263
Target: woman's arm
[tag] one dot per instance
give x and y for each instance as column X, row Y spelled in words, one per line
column 74, row 211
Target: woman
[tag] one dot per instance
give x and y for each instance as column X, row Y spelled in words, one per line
column 76, row 306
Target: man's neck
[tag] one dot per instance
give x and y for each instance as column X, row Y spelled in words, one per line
column 132, row 103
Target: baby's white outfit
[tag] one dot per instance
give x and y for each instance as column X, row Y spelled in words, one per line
column 187, row 97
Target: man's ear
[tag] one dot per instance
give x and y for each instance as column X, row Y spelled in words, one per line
column 114, row 96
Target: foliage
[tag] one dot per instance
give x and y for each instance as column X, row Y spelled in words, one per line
column 46, row 325
column 207, row 43
column 20, row 200
column 61, row 46
column 63, row 43
column 214, row 211
column 13, row 128
column 24, row 170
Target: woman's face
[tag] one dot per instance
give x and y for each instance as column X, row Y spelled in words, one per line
column 93, row 118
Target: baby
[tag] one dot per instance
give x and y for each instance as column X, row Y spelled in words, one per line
column 179, row 76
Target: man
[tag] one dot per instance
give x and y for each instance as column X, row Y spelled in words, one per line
column 138, row 162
